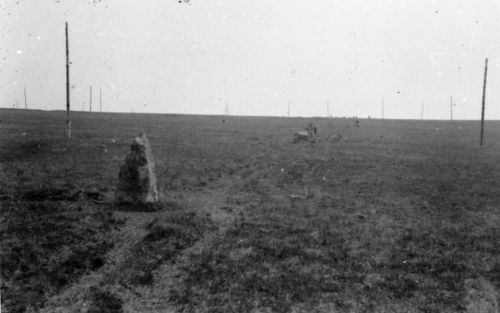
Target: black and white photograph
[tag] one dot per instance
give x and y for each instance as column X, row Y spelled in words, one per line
column 250, row 156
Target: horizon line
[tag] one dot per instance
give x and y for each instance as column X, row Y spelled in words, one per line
column 254, row 116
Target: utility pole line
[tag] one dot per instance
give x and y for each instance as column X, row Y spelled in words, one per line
column 90, row 99
column 484, row 100
column 68, row 119
column 451, row 108
column 25, row 99
column 382, row 108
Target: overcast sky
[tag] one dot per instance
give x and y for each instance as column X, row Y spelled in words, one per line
column 256, row 55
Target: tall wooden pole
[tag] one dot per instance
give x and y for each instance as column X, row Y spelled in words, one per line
column 327, row 108
column 25, row 99
column 288, row 112
column 484, row 100
column 90, row 99
column 100, row 99
column 382, row 108
column 68, row 120
column 451, row 108
column 422, row 112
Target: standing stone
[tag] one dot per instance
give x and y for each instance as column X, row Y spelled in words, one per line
column 137, row 180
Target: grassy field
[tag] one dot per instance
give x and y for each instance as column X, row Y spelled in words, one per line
column 397, row 216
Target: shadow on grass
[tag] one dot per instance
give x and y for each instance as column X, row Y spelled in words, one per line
column 52, row 194
column 146, row 207
column 15, row 151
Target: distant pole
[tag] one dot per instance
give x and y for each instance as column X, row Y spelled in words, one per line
column 90, row 99
column 327, row 108
column 25, row 99
column 422, row 112
column 382, row 108
column 68, row 120
column 288, row 112
column 484, row 100
column 100, row 99
column 451, row 108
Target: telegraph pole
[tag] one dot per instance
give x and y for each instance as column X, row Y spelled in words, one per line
column 25, row 99
column 484, row 100
column 90, row 99
column 382, row 108
column 100, row 99
column 288, row 112
column 68, row 120
column 451, row 108
column 422, row 112
column 327, row 108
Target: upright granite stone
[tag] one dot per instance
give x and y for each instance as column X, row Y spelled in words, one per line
column 137, row 180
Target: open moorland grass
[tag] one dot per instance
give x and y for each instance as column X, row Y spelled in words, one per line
column 395, row 216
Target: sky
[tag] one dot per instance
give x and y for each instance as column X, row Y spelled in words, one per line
column 255, row 56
